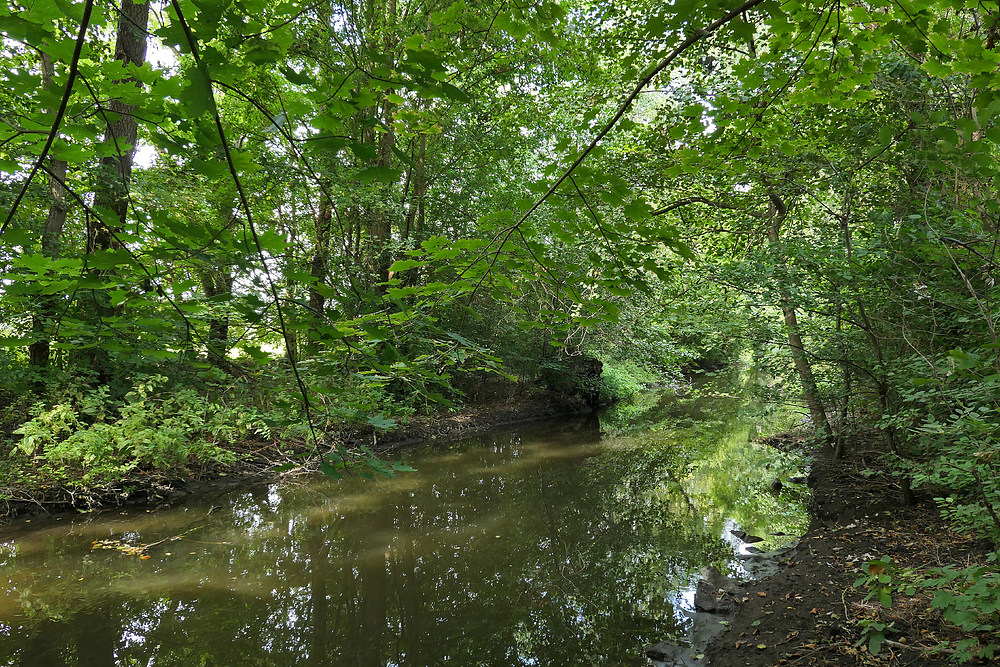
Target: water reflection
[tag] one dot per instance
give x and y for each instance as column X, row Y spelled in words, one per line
column 545, row 546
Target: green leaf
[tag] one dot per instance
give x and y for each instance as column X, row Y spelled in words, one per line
column 875, row 641
column 379, row 174
column 637, row 209
column 364, row 98
column 455, row 93
column 405, row 265
column 196, row 98
column 43, row 11
column 333, row 471
column 263, row 52
column 72, row 153
column 17, row 237
column 298, row 78
column 413, row 42
column 108, row 259
column 9, row 166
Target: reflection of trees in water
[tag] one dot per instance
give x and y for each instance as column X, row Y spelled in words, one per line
column 722, row 477
column 516, row 551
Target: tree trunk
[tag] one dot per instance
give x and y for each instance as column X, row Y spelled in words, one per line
column 414, row 226
column 318, row 269
column 122, row 130
column 45, row 308
column 845, row 395
column 380, row 223
column 318, row 265
column 112, row 195
column 414, row 215
column 379, row 256
column 776, row 215
column 216, row 282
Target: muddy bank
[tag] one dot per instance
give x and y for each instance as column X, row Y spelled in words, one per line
column 259, row 459
column 810, row 612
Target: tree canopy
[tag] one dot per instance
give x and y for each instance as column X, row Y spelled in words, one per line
column 346, row 212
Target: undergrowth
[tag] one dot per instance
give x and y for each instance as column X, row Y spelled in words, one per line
column 88, row 438
column 621, row 379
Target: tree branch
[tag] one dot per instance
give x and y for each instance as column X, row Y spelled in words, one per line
column 73, row 71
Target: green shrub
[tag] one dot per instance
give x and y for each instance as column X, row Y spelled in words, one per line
column 624, row 378
column 95, row 439
column 952, row 426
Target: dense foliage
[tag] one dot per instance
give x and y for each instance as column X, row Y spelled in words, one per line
column 252, row 214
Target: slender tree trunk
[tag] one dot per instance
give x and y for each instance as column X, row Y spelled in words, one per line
column 882, row 382
column 380, row 223
column 46, row 306
column 112, row 195
column 122, row 129
column 318, row 269
column 379, row 256
column 414, row 225
column 845, row 396
column 414, row 214
column 354, row 225
column 776, row 214
column 216, row 282
column 845, row 366
column 318, row 265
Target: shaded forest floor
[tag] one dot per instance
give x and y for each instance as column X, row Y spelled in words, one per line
column 258, row 459
column 810, row 613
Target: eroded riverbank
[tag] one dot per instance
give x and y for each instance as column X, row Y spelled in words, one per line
column 810, row 613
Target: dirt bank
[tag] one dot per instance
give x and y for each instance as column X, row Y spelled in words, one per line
column 810, row 613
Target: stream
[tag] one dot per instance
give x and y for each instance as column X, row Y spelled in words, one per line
column 574, row 541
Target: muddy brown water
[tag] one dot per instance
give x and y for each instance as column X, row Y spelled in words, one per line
column 576, row 542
